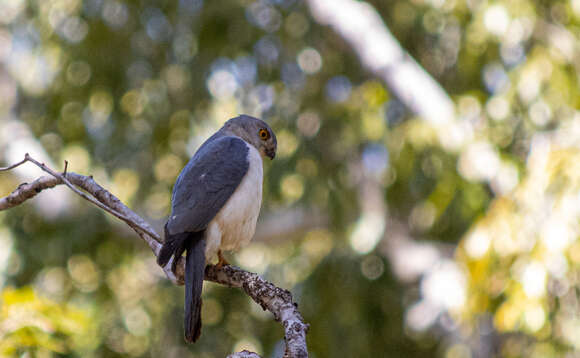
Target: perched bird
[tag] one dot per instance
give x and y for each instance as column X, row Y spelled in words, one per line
column 215, row 204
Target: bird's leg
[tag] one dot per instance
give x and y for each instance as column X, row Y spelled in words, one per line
column 221, row 260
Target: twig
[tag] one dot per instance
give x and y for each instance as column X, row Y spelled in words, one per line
column 100, row 197
column 15, row 165
column 85, row 196
column 267, row 295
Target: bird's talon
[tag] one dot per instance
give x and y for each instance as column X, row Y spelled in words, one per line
column 221, row 260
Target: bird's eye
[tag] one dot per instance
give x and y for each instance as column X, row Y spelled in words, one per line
column 264, row 134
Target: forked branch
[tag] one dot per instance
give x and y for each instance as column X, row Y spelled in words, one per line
column 267, row 295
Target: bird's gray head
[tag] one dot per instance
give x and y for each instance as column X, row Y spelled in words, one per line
column 254, row 131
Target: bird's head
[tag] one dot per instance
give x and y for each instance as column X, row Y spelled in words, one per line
column 254, row 131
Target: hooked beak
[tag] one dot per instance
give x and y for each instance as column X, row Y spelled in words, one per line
column 270, row 153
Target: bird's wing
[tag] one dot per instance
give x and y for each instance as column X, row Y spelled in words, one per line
column 206, row 183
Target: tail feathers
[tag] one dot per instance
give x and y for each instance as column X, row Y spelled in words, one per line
column 194, row 273
column 174, row 245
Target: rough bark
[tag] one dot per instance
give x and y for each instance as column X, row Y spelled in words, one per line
column 271, row 298
column 244, row 354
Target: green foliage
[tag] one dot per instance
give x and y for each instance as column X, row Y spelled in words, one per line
column 393, row 233
column 37, row 326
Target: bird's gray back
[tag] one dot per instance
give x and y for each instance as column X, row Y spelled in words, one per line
column 207, row 182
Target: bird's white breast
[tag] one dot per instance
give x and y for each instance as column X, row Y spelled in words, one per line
column 235, row 224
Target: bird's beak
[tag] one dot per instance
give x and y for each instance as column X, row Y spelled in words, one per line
column 271, row 153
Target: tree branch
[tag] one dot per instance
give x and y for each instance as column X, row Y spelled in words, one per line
column 267, row 295
column 15, row 164
column 271, row 298
column 244, row 354
column 99, row 197
column 379, row 51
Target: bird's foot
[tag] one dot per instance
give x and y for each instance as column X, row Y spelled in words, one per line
column 221, row 260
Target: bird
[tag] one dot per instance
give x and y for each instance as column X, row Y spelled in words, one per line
column 215, row 205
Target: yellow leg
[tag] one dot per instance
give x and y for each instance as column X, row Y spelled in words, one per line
column 221, row 260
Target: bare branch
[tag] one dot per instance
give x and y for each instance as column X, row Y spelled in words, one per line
column 271, row 298
column 98, row 203
column 27, row 191
column 379, row 51
column 116, row 207
column 14, row 165
column 267, row 295
column 244, row 354
column 99, row 196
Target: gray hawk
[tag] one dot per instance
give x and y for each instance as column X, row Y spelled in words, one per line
column 215, row 204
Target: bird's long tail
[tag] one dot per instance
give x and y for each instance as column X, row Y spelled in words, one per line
column 175, row 245
column 194, row 273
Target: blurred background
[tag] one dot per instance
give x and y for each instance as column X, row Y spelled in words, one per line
column 416, row 208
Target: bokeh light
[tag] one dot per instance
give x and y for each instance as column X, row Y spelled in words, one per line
column 437, row 225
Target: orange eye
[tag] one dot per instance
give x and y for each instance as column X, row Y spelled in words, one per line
column 264, row 134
